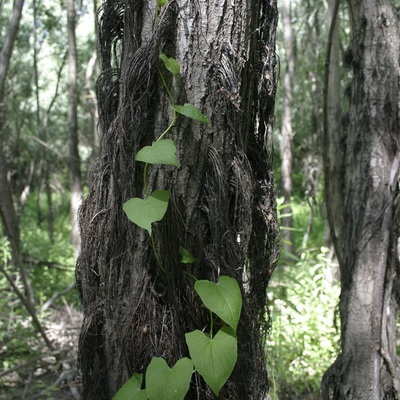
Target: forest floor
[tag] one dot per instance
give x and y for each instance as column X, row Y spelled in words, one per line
column 48, row 374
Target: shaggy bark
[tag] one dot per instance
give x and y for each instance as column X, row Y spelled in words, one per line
column 367, row 243
column 222, row 207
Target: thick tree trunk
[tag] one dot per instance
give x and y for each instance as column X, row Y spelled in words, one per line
column 366, row 244
column 74, row 158
column 286, row 145
column 222, row 206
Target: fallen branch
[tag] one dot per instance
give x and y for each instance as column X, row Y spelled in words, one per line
column 55, row 295
column 31, row 361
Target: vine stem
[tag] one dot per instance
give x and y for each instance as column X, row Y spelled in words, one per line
column 169, row 127
column 211, row 324
column 145, row 181
column 153, row 245
column 171, row 100
column 175, row 116
column 189, row 274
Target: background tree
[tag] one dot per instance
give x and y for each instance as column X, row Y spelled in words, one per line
column 34, row 144
column 222, row 206
column 363, row 216
column 8, row 214
column 74, row 157
column 286, row 142
column 304, row 339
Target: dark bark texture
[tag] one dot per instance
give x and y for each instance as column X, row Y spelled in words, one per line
column 363, row 213
column 222, row 204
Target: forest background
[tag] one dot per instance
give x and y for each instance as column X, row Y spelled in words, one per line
column 38, row 361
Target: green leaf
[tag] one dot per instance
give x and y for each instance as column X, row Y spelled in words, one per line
column 161, row 152
column 164, row 383
column 186, row 256
column 144, row 212
column 222, row 298
column 214, row 358
column 170, row 63
column 191, row 111
column 131, row 390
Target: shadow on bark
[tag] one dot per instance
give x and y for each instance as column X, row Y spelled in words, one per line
column 222, row 207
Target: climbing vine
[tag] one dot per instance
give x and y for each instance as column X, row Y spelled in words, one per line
column 213, row 356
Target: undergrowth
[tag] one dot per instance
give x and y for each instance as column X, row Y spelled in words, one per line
column 303, row 293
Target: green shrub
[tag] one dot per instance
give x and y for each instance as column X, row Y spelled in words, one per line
column 303, row 297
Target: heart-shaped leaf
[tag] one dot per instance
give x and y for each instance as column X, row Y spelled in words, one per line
column 161, row 152
column 164, row 383
column 191, row 111
column 144, row 212
column 170, row 63
column 214, row 358
column 222, row 298
column 131, row 390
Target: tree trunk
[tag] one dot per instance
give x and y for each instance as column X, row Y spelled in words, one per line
column 7, row 210
column 93, row 70
column 41, row 127
column 90, row 100
column 366, row 244
column 222, row 207
column 8, row 215
column 286, row 147
column 74, row 158
column 333, row 153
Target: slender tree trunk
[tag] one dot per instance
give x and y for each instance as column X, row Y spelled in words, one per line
column 7, row 210
column 41, row 127
column 90, row 97
column 92, row 71
column 74, row 158
column 366, row 244
column 286, row 146
column 334, row 132
column 8, row 215
column 222, row 207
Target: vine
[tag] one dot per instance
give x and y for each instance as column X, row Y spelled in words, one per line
column 211, row 356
